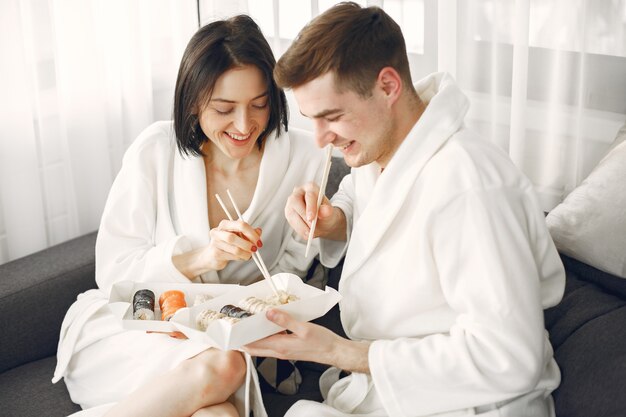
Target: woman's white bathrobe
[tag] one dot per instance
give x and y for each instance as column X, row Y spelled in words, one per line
column 449, row 267
column 157, row 207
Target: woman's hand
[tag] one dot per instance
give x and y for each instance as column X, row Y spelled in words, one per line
column 300, row 211
column 231, row 240
column 310, row 342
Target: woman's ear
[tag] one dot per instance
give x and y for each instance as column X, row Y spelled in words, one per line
column 390, row 83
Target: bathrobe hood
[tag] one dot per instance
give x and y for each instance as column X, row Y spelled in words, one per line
column 444, row 115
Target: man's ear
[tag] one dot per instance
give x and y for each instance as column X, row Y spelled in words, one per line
column 390, row 82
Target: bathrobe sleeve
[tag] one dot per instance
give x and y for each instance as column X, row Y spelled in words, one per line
column 331, row 251
column 125, row 247
column 493, row 255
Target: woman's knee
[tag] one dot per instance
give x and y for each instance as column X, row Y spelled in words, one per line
column 217, row 368
column 224, row 409
column 229, row 367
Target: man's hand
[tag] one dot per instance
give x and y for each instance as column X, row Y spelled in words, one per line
column 310, row 342
column 300, row 211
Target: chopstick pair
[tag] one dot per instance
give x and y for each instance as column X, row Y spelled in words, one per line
column 256, row 257
column 320, row 197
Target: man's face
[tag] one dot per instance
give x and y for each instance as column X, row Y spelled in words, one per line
column 359, row 127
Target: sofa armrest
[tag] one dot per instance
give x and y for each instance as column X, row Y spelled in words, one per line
column 36, row 292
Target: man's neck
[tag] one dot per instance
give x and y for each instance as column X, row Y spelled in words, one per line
column 409, row 113
column 409, row 110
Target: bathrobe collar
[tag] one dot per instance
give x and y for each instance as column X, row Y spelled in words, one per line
column 386, row 192
column 189, row 200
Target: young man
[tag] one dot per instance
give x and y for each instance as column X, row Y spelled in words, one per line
column 448, row 262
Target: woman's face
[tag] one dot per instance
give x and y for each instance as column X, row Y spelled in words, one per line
column 237, row 112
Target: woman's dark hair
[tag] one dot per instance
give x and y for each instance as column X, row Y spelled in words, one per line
column 213, row 50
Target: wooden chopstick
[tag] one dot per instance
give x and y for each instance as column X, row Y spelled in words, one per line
column 320, row 196
column 219, row 200
column 256, row 257
column 232, row 200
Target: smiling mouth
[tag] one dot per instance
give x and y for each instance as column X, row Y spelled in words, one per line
column 345, row 146
column 239, row 138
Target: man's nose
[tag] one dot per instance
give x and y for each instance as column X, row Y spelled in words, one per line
column 323, row 136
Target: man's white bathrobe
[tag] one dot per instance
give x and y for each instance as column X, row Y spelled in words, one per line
column 448, row 269
column 157, row 207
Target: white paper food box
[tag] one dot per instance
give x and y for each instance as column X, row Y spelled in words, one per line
column 312, row 303
column 121, row 299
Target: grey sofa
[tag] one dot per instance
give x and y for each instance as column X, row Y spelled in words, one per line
column 587, row 329
column 35, row 293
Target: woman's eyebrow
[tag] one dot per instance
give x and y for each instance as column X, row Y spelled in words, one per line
column 223, row 100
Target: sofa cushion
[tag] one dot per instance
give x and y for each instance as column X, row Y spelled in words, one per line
column 587, row 333
column 608, row 282
column 27, row 391
column 590, row 224
column 582, row 303
column 36, row 292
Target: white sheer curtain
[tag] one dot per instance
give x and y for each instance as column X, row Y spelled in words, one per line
column 547, row 81
column 79, row 80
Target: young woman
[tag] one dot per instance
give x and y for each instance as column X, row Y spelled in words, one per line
column 163, row 223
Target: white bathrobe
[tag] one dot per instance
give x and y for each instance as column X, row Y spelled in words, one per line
column 448, row 269
column 157, row 207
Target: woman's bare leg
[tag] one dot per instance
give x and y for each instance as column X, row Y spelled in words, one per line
column 220, row 410
column 207, row 379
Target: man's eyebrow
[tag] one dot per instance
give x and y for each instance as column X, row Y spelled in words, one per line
column 323, row 113
column 223, row 100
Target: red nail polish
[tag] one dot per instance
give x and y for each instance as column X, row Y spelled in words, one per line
column 253, row 249
column 259, row 244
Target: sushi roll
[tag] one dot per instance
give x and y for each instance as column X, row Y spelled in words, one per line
column 170, row 302
column 283, row 298
column 255, row 305
column 143, row 305
column 235, row 312
column 201, row 298
column 206, row 317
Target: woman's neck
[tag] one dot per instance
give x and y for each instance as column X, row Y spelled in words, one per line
column 216, row 160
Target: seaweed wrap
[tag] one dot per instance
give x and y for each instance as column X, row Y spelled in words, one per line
column 143, row 305
column 235, row 312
